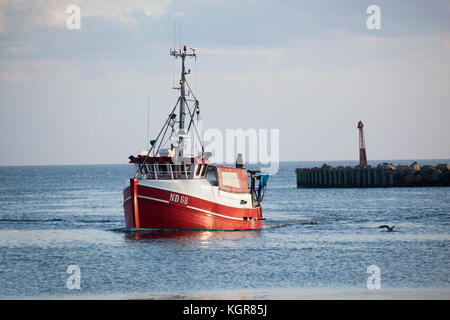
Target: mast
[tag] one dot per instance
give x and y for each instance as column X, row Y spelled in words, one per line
column 182, row 99
column 170, row 122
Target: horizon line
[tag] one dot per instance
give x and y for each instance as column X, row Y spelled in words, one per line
column 117, row 163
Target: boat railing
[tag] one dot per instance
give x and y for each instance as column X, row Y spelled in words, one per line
column 170, row 171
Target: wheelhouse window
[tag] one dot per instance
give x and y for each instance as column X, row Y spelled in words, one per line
column 199, row 168
column 151, row 173
column 204, row 170
column 172, row 171
column 211, row 176
column 143, row 169
column 162, row 169
column 147, row 170
column 188, row 169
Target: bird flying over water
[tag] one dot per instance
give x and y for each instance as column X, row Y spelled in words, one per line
column 389, row 229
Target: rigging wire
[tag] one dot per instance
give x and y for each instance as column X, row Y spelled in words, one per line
column 148, row 125
column 195, row 127
column 200, row 137
column 174, row 33
column 180, row 35
column 195, row 74
column 174, row 44
column 170, row 122
column 162, row 139
column 159, row 134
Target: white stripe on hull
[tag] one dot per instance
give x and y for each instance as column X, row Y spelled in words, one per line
column 190, row 207
column 214, row 214
column 126, row 200
column 194, row 208
column 156, row 199
column 215, row 195
column 201, row 189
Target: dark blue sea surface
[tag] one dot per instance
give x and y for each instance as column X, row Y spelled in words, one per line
column 55, row 216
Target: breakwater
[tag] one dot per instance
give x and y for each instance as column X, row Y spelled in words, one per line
column 383, row 175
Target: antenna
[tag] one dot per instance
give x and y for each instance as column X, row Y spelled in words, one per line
column 180, row 35
column 174, row 33
column 147, row 144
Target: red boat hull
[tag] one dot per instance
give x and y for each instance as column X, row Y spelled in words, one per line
column 147, row 207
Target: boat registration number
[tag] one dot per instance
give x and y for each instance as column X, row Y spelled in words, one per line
column 178, row 199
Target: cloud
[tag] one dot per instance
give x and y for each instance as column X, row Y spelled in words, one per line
column 53, row 13
column 323, row 86
column 120, row 8
column 3, row 22
column 240, row 51
column 35, row 13
column 312, row 87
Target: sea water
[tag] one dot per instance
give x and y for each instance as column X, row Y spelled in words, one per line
column 53, row 217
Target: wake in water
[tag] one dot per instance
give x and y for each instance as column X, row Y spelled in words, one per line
column 286, row 223
column 281, row 224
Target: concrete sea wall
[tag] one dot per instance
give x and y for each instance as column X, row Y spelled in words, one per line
column 383, row 175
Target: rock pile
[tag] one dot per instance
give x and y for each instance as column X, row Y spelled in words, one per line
column 416, row 175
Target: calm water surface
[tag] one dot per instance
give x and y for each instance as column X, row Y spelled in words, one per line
column 55, row 216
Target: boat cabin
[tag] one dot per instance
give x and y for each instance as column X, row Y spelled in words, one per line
column 229, row 179
column 160, row 168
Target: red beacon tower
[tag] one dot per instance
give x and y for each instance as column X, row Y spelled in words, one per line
column 362, row 146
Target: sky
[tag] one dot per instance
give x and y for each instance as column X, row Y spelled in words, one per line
column 311, row 69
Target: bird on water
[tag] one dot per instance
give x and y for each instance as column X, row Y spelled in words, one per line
column 389, row 229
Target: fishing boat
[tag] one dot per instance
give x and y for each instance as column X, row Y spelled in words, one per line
column 175, row 189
